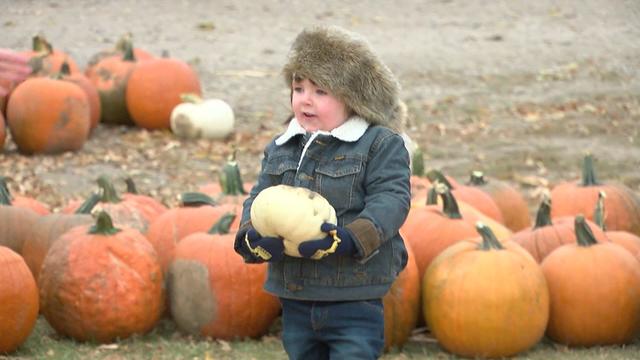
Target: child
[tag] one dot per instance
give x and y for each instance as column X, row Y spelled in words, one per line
column 340, row 143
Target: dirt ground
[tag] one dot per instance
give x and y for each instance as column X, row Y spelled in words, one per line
column 519, row 89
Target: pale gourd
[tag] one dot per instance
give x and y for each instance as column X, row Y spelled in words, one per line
column 196, row 118
column 293, row 213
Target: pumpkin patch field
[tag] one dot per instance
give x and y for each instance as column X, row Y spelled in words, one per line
column 126, row 156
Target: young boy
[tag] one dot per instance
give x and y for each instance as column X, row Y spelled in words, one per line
column 342, row 144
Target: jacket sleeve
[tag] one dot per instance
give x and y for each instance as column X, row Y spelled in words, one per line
column 388, row 196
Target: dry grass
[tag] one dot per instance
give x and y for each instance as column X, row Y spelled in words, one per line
column 165, row 342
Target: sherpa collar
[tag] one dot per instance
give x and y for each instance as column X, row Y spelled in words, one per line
column 350, row 131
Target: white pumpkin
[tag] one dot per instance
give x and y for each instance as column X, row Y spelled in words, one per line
column 202, row 118
column 293, row 213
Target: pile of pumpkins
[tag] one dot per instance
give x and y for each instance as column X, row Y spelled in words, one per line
column 483, row 278
column 58, row 106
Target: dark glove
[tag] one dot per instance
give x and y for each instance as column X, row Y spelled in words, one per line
column 338, row 241
column 262, row 248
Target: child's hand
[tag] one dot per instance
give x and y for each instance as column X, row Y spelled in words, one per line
column 309, row 249
column 263, row 248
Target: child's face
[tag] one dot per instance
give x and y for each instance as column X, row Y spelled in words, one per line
column 316, row 108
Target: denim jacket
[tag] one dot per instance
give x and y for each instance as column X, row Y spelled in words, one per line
column 363, row 171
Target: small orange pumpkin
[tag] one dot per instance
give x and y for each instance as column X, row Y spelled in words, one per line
column 18, row 299
column 47, row 61
column 48, row 116
column 626, row 239
column 85, row 84
column 154, row 89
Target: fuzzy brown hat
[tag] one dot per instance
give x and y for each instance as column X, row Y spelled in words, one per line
column 344, row 64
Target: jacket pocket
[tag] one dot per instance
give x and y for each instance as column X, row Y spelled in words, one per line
column 282, row 170
column 337, row 180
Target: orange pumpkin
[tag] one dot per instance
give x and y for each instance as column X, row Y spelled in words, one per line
column 197, row 213
column 3, row 130
column 548, row 234
column 402, row 305
column 573, row 198
column 18, row 299
column 595, row 291
column 45, row 60
column 110, row 77
column 22, row 201
column 627, row 240
column 154, row 89
column 470, row 195
column 483, row 298
column 101, row 283
column 16, row 223
column 213, row 293
column 512, row 205
column 118, row 51
column 431, row 229
column 48, row 116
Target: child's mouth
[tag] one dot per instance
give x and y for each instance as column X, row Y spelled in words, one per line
column 306, row 114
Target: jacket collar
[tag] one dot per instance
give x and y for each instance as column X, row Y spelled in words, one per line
column 350, row 131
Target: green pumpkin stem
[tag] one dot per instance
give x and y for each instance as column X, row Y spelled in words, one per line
column 191, row 98
column 417, row 163
column 128, row 54
column 195, row 199
column 109, row 193
column 477, row 178
column 449, row 204
column 432, row 196
column 584, row 234
column 543, row 216
column 88, row 204
column 131, row 186
column 437, row 176
column 489, row 240
column 588, row 172
column 599, row 214
column 222, row 226
column 230, row 179
column 103, row 225
column 5, row 194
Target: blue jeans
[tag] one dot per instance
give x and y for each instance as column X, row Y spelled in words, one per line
column 333, row 330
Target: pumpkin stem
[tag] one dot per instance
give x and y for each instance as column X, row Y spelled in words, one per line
column 437, row 176
column 109, row 193
column 432, row 196
column 41, row 45
column 489, row 240
column 5, row 194
column 222, row 226
column 449, row 204
column 131, row 186
column 417, row 163
column 121, row 44
column 192, row 98
column 230, row 179
column 65, row 70
column 103, row 225
column 588, row 172
column 584, row 234
column 477, row 178
column 543, row 216
column 88, row 204
column 128, row 54
column 599, row 214
column 195, row 199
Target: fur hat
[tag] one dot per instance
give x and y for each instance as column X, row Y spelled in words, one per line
column 344, row 64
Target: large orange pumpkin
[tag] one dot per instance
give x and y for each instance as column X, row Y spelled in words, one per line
column 87, row 86
column 483, row 298
column 49, row 116
column 197, row 213
column 213, row 293
column 595, row 291
column 18, row 300
column 101, row 283
column 627, row 240
column 154, row 89
column 548, row 234
column 402, row 305
column 573, row 198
